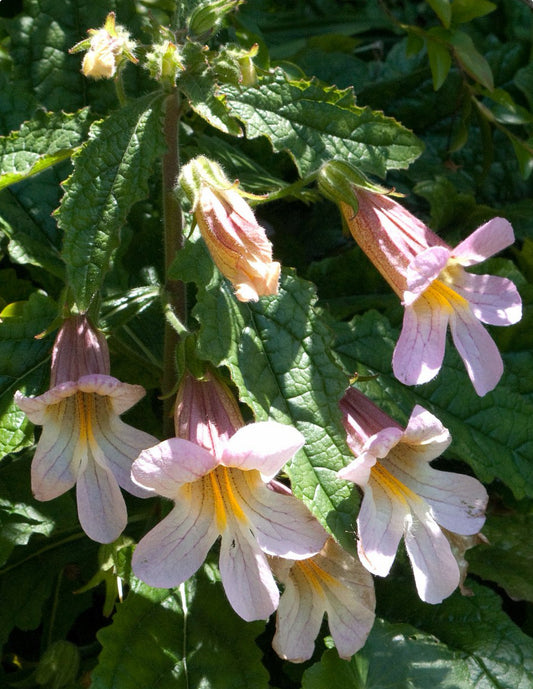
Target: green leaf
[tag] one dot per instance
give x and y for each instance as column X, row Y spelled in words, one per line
column 396, row 656
column 524, row 154
column 198, row 83
column 524, row 80
column 498, row 654
column 40, row 143
column 440, row 61
column 21, row 516
column 23, row 366
column 279, row 353
column 152, row 644
column 464, row 11
column 110, row 174
column 443, row 10
column 508, row 557
column 26, row 218
column 492, row 434
column 471, row 60
column 315, row 123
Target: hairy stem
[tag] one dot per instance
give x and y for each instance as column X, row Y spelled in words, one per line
column 175, row 295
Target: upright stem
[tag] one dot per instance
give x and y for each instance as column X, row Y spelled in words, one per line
column 175, row 294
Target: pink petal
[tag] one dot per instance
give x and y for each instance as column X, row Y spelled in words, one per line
column 380, row 527
column 298, row 619
column 350, row 599
column 246, row 575
column 116, row 445
column 376, row 447
column 434, row 566
column 419, row 351
column 282, row 524
column 122, row 395
column 477, row 350
column 176, row 548
column 423, row 269
column 36, row 408
column 265, row 446
column 101, row 507
column 426, row 434
column 168, row 465
column 487, row 240
column 457, row 502
column 493, row 300
column 59, row 456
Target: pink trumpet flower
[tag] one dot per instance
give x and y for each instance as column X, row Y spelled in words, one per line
column 430, row 278
column 405, row 496
column 218, row 479
column 83, row 441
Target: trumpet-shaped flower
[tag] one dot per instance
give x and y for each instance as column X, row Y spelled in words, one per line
column 331, row 582
column 223, row 491
column 83, row 441
column 403, row 495
column 430, row 278
column 237, row 243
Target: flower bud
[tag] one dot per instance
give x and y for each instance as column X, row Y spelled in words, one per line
column 164, row 63
column 237, row 243
column 209, row 17
column 106, row 49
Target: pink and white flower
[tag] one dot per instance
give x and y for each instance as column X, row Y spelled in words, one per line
column 405, row 496
column 331, row 582
column 83, row 440
column 223, row 491
column 430, row 278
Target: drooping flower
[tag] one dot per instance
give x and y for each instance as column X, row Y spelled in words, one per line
column 106, row 49
column 237, row 243
column 331, row 582
column 83, row 440
column 218, row 479
column 430, row 278
column 405, row 496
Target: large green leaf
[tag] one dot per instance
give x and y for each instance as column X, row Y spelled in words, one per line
column 110, row 174
column 498, row 654
column 179, row 639
column 23, row 365
column 21, row 516
column 315, row 123
column 507, row 558
column 396, row 656
column 279, row 353
column 40, row 143
column 493, row 433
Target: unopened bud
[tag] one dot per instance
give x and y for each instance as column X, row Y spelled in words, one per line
column 209, row 17
column 164, row 63
column 237, row 243
column 106, row 49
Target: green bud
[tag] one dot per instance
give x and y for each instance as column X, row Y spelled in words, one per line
column 209, row 17
column 164, row 62
column 336, row 180
column 58, row 666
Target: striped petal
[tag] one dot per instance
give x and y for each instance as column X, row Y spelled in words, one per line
column 176, row 548
column 101, row 507
column 487, row 240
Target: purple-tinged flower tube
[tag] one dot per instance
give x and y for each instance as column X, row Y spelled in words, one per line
column 430, row 278
column 404, row 496
column 218, row 479
column 331, row 582
column 237, row 243
column 83, row 441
